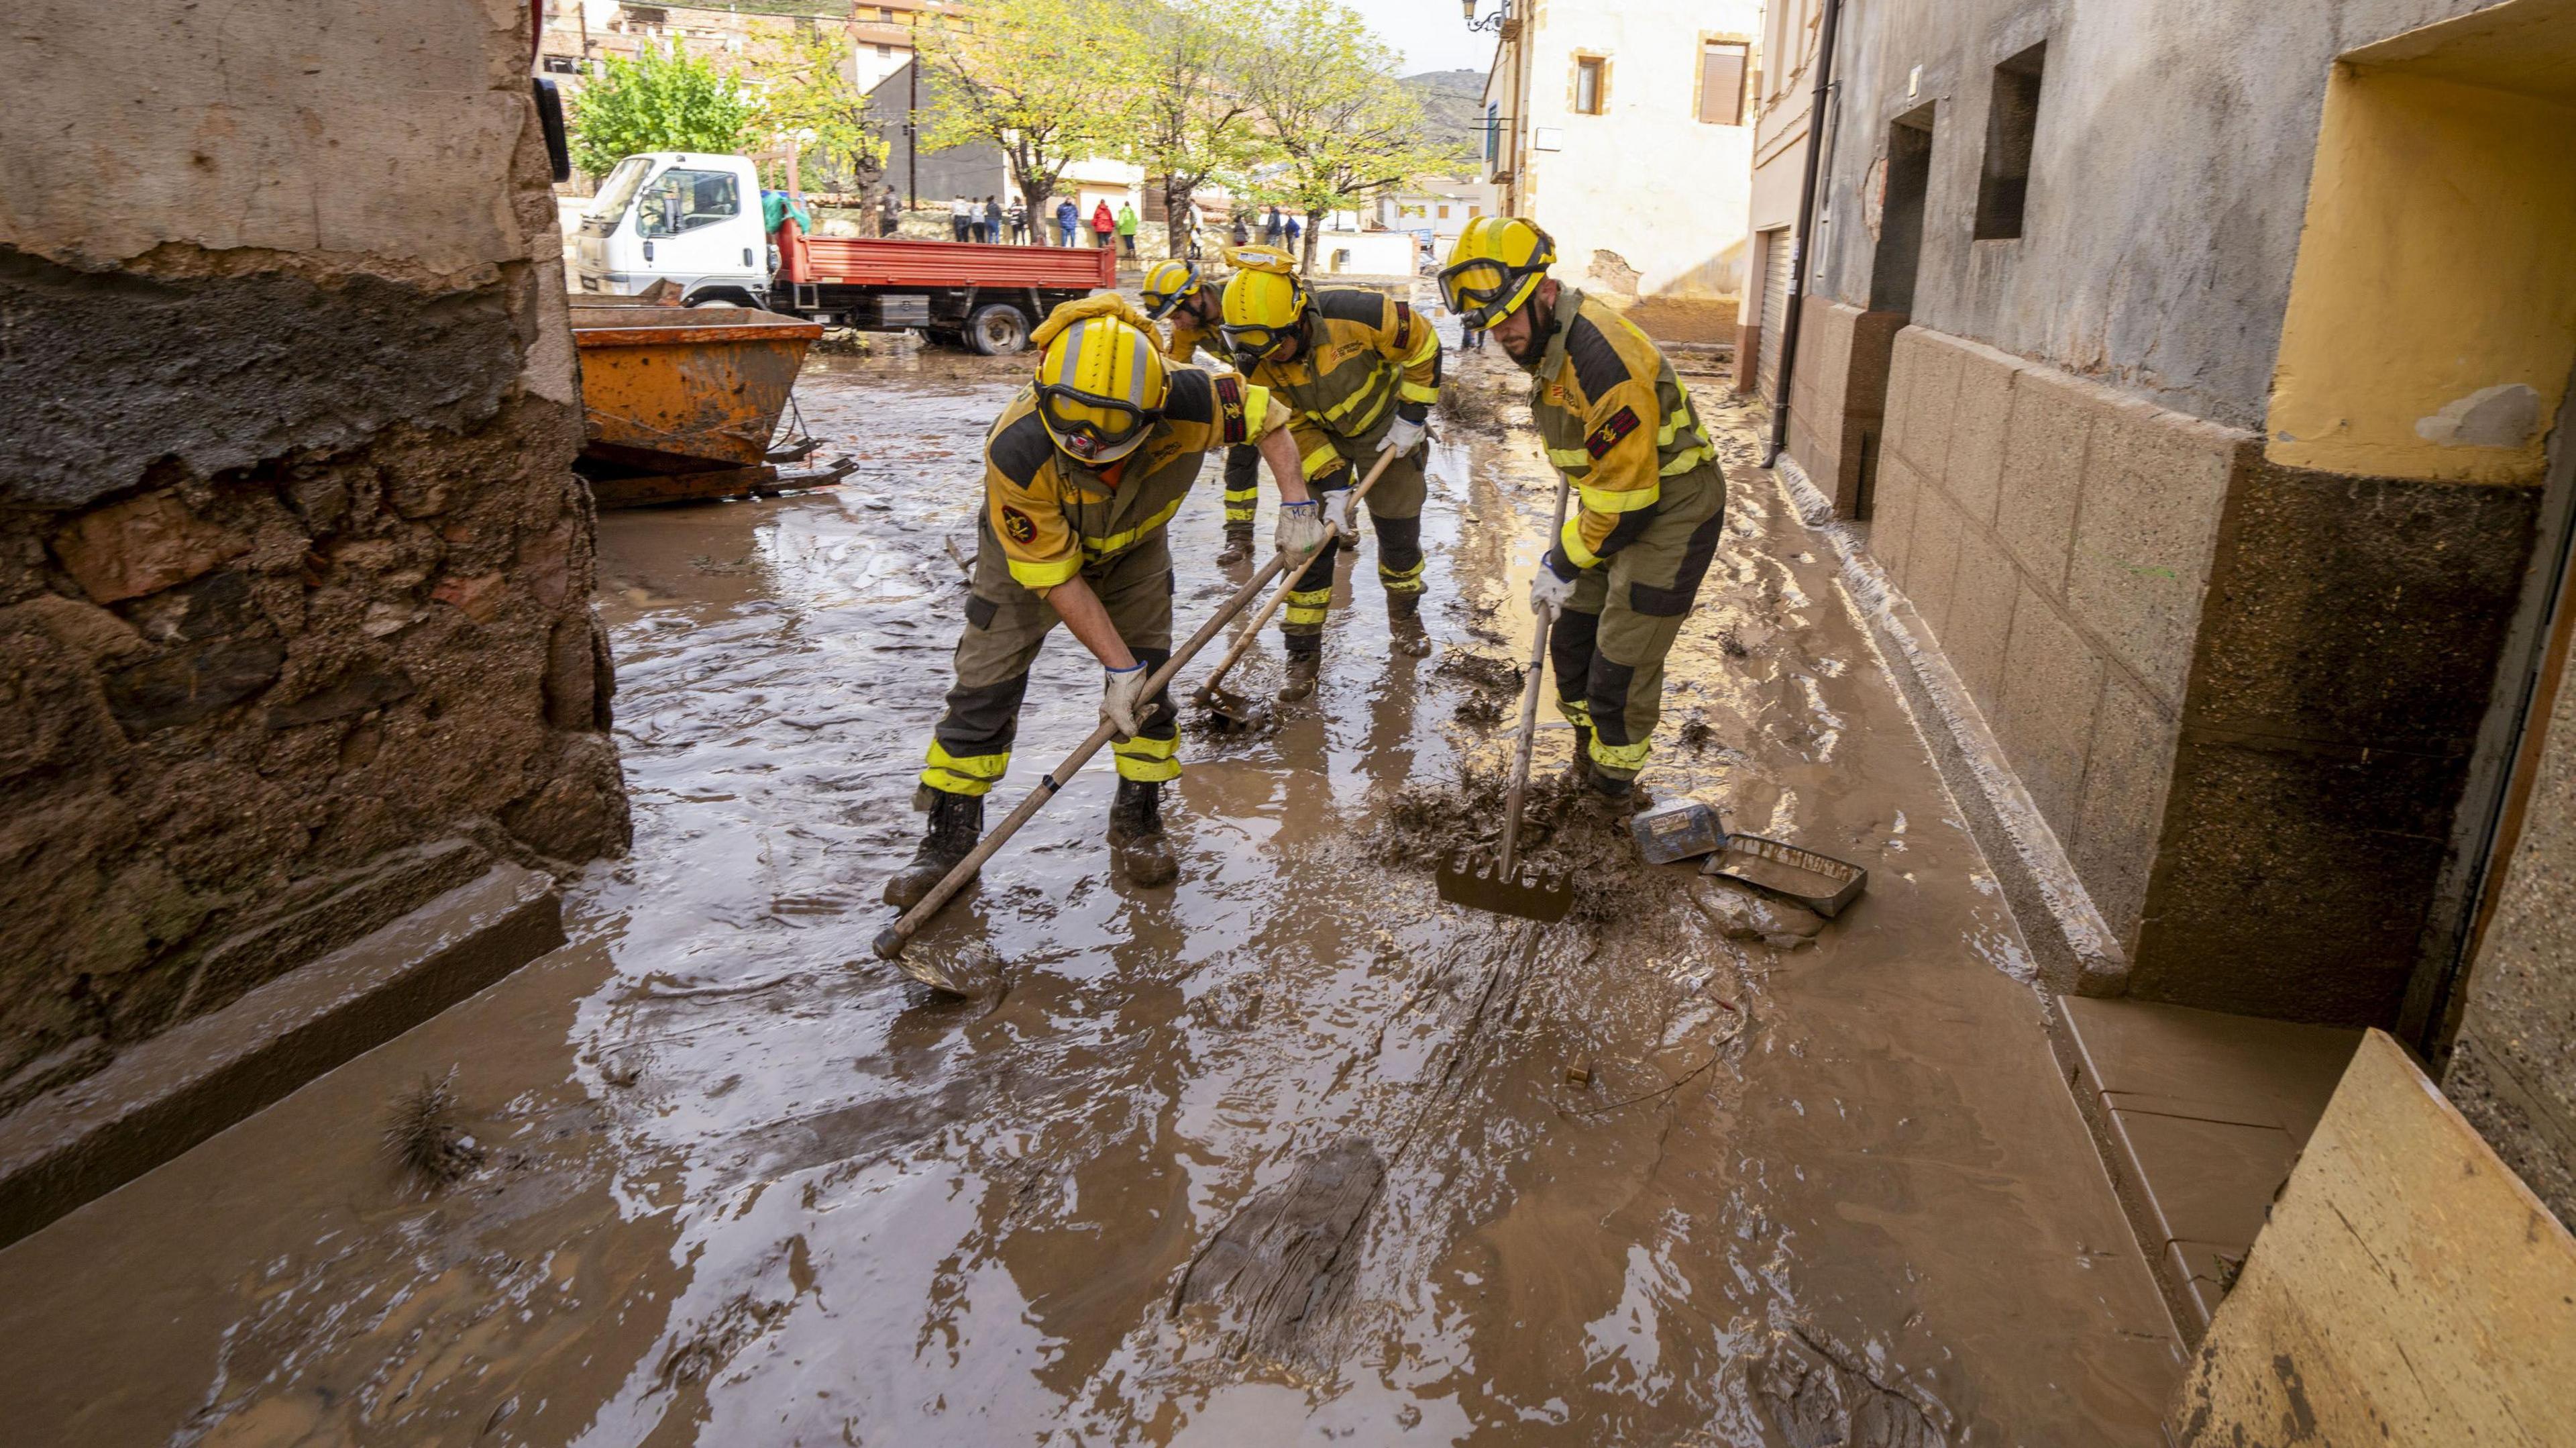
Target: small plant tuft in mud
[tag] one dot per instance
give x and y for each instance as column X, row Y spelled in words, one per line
column 1733, row 646
column 423, row 1139
column 1696, row 735
column 1480, row 709
column 1482, row 671
column 1471, row 406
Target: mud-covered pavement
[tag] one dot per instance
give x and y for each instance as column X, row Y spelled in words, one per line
column 1290, row 1152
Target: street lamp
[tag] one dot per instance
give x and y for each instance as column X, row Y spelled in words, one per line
column 1502, row 12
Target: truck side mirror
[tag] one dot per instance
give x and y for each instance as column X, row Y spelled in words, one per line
column 550, row 119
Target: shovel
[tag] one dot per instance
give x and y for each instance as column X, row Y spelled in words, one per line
column 1230, row 711
column 890, row 942
column 1505, row 885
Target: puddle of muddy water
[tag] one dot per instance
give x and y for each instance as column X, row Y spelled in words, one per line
column 1289, row 1150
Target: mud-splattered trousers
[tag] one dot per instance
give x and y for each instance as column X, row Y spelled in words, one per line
column 1620, row 428
column 1368, row 360
column 1048, row 519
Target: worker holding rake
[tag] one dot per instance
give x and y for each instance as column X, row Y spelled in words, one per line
column 1361, row 371
column 1082, row 473
column 1183, row 296
column 1626, row 565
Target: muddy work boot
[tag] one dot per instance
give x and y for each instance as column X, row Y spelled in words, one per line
column 1238, row 546
column 1578, row 770
column 1303, row 666
column 1136, row 838
column 1404, row 623
column 956, row 824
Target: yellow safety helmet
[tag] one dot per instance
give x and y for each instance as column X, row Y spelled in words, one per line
column 1168, row 284
column 1100, row 380
column 1497, row 263
column 1265, row 303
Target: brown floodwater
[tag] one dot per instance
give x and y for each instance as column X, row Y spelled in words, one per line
column 1289, row 1152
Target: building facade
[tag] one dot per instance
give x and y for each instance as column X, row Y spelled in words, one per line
column 1625, row 131
column 1784, row 101
column 2198, row 384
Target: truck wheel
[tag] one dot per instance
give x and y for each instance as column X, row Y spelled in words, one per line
column 998, row 329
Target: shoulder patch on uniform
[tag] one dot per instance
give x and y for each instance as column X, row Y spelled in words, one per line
column 1017, row 526
column 1020, row 449
column 1188, row 398
column 1403, row 325
column 1596, row 362
column 1229, row 406
column 1352, row 304
column 1607, row 435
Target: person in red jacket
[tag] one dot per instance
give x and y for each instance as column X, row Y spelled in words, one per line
column 1102, row 223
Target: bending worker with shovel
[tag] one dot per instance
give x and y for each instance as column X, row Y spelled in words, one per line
column 1362, row 370
column 1624, row 567
column 1082, row 472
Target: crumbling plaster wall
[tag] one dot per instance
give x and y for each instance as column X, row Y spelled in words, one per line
column 294, row 573
column 2168, row 181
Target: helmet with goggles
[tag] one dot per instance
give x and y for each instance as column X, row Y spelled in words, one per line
column 1497, row 263
column 1100, row 379
column 1168, row 284
column 1265, row 303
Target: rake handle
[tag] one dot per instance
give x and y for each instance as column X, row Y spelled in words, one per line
column 1529, row 704
column 890, row 941
column 1243, row 640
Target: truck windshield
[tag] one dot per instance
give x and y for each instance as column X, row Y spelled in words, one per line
column 617, row 190
column 682, row 200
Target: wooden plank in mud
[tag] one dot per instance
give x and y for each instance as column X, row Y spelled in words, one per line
column 2409, row 1289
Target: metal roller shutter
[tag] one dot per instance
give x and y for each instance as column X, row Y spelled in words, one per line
column 1777, row 248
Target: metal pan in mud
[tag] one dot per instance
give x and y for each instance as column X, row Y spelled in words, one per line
column 1677, row 829
column 1819, row 882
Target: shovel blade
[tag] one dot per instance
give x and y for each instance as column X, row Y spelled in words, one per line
column 1477, row 881
column 1232, row 712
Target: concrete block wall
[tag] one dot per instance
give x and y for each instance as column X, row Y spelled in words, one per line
column 2056, row 537
column 2242, row 696
column 1837, row 396
column 294, row 572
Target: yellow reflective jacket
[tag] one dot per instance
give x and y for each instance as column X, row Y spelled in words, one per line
column 1616, row 422
column 1365, row 353
column 1053, row 516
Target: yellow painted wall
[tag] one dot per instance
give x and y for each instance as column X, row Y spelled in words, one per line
column 2438, row 260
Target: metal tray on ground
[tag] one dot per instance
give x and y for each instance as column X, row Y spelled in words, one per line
column 1819, row 882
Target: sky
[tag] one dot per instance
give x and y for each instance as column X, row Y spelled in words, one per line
column 1431, row 33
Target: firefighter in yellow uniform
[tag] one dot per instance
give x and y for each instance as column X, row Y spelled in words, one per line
column 1617, row 424
column 1082, row 472
column 1362, row 370
column 1181, row 295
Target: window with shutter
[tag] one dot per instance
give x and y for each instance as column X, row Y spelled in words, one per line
column 1721, row 82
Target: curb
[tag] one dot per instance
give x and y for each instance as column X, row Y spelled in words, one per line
column 165, row 1095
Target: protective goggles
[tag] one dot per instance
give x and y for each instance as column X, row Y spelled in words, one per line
column 1158, row 305
column 1482, row 291
column 1088, row 425
column 1255, row 342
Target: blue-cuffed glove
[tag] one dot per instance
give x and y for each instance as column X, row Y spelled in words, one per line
column 1122, row 700
column 1301, row 528
column 1554, row 582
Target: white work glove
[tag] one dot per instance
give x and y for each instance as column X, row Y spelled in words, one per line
column 1122, row 700
column 1401, row 437
column 1342, row 506
column 1301, row 528
column 1550, row 589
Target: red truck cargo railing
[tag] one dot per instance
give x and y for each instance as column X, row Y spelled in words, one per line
column 876, row 262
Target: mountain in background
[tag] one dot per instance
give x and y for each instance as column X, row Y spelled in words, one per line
column 1453, row 110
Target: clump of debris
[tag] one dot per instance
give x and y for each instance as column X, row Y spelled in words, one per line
column 424, row 1141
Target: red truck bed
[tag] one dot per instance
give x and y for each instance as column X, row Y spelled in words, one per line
column 869, row 262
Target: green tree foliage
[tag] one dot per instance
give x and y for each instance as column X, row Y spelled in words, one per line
column 1041, row 80
column 1188, row 118
column 810, row 102
column 662, row 100
column 1340, row 120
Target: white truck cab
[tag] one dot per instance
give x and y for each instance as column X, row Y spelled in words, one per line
column 679, row 216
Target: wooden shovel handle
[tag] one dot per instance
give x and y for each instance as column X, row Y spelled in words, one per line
column 1252, row 630
column 1529, row 704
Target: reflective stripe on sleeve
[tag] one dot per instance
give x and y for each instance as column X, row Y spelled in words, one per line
column 1617, row 500
column 1044, row 575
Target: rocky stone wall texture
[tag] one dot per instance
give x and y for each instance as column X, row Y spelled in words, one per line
column 294, row 572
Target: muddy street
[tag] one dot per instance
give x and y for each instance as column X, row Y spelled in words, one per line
column 1290, row 1151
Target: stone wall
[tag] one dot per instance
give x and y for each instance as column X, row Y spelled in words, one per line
column 294, row 573
column 1838, row 397
column 2242, row 696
